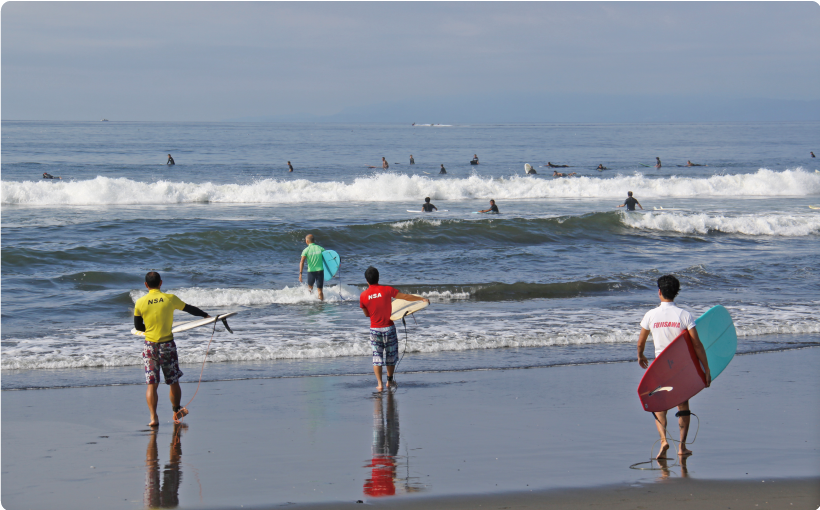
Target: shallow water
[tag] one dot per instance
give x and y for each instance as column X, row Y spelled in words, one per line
column 559, row 275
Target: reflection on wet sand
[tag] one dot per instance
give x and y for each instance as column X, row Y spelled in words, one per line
column 384, row 464
column 166, row 494
column 666, row 469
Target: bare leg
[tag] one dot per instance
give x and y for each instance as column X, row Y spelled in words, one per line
column 683, row 423
column 660, row 423
column 151, row 399
column 378, row 371
column 321, row 295
column 390, row 370
column 175, row 393
column 310, row 289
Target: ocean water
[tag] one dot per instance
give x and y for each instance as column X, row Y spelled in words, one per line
column 561, row 276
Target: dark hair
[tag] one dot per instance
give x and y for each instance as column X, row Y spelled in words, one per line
column 153, row 279
column 629, row 193
column 491, row 200
column 427, row 199
column 669, row 285
column 372, row 275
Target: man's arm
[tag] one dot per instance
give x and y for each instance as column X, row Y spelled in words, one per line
column 301, row 266
column 366, row 313
column 701, row 352
column 195, row 311
column 625, row 204
column 411, row 297
column 139, row 324
column 639, row 205
column 641, row 346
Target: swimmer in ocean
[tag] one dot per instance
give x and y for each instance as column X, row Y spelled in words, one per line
column 474, row 160
column 428, row 207
column 170, row 161
column 601, row 167
column 550, row 165
column 290, row 167
column 630, row 202
column 658, row 164
column 689, row 163
column 47, row 175
column 443, row 171
column 556, row 173
column 812, row 153
column 412, row 161
column 493, row 208
column 385, row 166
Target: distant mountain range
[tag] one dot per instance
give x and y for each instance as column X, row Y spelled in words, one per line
column 566, row 108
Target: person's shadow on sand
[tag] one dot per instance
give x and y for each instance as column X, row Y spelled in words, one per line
column 165, row 494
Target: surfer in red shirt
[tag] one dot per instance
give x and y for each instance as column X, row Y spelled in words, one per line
column 377, row 303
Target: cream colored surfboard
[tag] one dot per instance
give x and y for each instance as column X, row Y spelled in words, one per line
column 402, row 308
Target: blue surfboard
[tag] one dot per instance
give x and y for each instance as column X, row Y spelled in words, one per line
column 331, row 262
column 719, row 338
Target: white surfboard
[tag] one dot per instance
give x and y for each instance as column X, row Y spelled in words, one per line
column 528, row 169
column 667, row 209
column 431, row 212
column 402, row 308
column 185, row 326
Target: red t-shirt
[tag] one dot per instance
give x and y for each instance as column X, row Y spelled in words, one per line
column 378, row 301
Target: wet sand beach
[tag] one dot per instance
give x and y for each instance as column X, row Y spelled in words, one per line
column 459, row 439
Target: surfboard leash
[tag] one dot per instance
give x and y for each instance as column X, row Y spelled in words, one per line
column 180, row 413
column 670, row 439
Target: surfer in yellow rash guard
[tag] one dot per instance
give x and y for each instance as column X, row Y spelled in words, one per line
column 666, row 322
column 316, row 266
column 154, row 315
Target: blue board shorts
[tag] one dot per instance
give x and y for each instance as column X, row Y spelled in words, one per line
column 161, row 356
column 385, row 345
column 317, row 277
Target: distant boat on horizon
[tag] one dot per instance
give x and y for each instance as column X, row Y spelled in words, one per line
column 103, row 120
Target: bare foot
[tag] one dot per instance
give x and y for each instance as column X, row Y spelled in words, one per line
column 662, row 453
column 683, row 452
column 379, row 387
column 154, row 423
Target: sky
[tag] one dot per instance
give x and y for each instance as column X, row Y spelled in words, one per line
column 214, row 61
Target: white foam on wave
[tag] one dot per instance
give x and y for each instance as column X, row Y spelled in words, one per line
column 329, row 335
column 406, row 225
column 749, row 224
column 392, row 187
column 205, row 297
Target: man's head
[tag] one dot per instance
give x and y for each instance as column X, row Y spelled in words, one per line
column 629, row 193
column 288, row 162
column 372, row 275
column 309, row 239
column 427, row 200
column 492, row 201
column 153, row 280
column 669, row 286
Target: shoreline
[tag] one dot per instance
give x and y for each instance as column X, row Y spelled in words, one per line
column 227, row 366
column 459, row 435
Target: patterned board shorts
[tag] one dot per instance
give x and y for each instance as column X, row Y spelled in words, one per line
column 164, row 356
column 385, row 345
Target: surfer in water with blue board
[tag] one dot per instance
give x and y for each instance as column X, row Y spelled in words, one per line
column 316, row 269
column 493, row 208
column 154, row 315
column 377, row 303
column 666, row 322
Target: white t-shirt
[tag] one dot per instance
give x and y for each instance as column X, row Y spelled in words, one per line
column 666, row 322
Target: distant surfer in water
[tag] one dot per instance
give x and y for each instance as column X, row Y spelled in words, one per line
column 47, row 175
column 442, row 171
column 474, row 161
column 290, row 167
column 550, row 165
column 385, row 166
column 316, row 266
column 630, row 202
column 812, row 153
column 493, row 208
column 657, row 162
column 377, row 303
column 427, row 206
column 666, row 322
column 689, row 163
column 154, row 315
column 529, row 170
column 170, row 161
column 601, row 167
column 556, row 173
column 412, row 161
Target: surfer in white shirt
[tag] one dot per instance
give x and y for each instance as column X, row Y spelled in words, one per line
column 666, row 322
